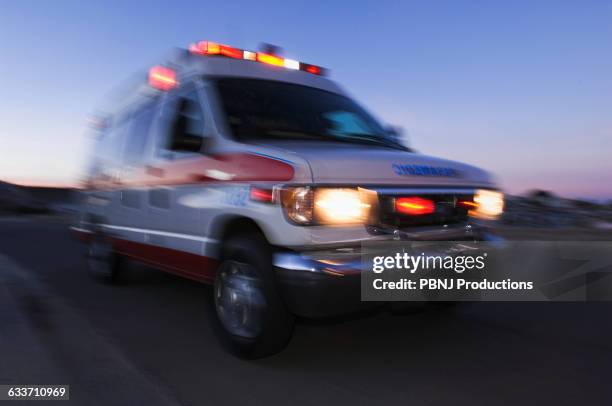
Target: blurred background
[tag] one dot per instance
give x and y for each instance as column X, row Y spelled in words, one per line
column 521, row 89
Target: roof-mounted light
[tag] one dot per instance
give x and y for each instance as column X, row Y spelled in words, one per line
column 162, row 78
column 270, row 59
column 291, row 64
column 249, row 56
column 315, row 70
column 213, row 48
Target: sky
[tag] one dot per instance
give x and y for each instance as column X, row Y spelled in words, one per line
column 522, row 89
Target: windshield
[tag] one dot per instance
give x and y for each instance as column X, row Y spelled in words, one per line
column 262, row 109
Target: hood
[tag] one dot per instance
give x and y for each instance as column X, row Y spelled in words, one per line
column 365, row 164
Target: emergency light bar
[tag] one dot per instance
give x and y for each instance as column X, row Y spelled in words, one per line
column 213, row 48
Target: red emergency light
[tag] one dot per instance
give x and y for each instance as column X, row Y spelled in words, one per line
column 414, row 206
column 261, row 195
column 315, row 70
column 214, row 48
column 162, row 78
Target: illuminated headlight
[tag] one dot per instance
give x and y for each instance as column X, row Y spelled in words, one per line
column 325, row 206
column 339, row 206
column 489, row 204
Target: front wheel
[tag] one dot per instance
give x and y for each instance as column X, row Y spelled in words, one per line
column 252, row 316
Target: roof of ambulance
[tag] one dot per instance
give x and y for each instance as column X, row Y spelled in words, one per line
column 136, row 91
column 193, row 65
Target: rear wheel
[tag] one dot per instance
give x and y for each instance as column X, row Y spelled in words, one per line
column 250, row 312
column 102, row 261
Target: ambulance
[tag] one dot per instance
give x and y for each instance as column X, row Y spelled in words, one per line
column 260, row 176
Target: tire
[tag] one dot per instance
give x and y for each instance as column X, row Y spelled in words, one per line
column 250, row 314
column 103, row 262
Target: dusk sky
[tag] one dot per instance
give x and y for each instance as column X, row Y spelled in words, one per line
column 523, row 89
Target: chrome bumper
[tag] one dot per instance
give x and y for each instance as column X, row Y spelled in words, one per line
column 343, row 261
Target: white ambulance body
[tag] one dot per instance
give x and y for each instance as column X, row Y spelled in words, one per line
column 259, row 175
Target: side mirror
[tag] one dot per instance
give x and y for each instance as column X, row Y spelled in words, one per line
column 396, row 133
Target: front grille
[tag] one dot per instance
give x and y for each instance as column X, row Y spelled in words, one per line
column 447, row 209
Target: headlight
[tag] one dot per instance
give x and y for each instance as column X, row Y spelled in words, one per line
column 489, row 204
column 325, row 206
column 339, row 206
column 298, row 204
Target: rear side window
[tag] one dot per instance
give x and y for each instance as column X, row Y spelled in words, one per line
column 138, row 136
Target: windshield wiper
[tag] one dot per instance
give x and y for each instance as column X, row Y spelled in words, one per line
column 286, row 134
column 349, row 138
column 373, row 139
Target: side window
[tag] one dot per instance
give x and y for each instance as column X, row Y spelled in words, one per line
column 182, row 123
column 137, row 137
column 189, row 117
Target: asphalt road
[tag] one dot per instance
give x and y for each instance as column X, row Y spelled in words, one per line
column 149, row 341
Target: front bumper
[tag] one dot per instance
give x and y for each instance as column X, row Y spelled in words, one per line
column 327, row 282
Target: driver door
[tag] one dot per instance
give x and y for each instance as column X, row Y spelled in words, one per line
column 180, row 149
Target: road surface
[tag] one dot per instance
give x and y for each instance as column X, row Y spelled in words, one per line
column 149, row 341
